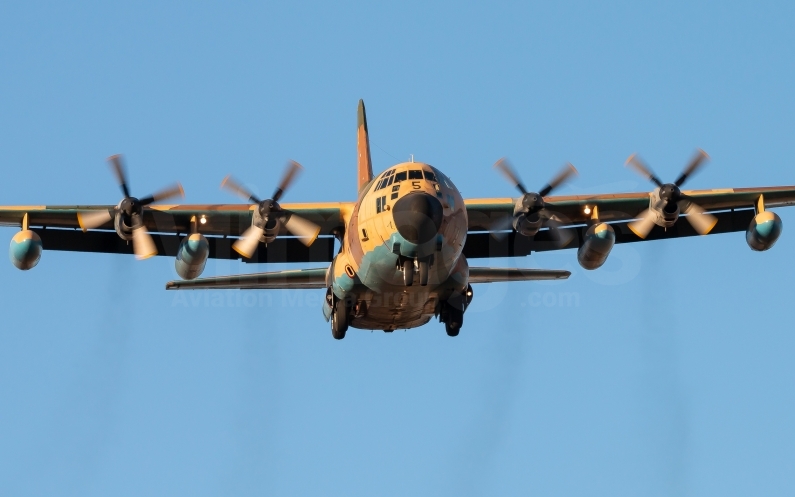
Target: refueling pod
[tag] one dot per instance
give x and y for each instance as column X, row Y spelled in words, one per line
column 192, row 256
column 598, row 242
column 764, row 230
column 25, row 250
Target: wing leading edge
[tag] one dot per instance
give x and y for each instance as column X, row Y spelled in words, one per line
column 483, row 213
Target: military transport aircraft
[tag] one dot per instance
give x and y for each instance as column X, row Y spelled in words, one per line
column 404, row 245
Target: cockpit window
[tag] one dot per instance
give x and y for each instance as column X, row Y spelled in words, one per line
column 400, row 176
column 429, row 176
column 414, row 174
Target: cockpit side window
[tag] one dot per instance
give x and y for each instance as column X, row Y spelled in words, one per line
column 429, row 176
column 415, row 174
column 401, row 176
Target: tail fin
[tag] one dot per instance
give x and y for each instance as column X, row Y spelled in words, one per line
column 365, row 164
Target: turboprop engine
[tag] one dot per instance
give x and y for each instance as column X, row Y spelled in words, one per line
column 531, row 213
column 764, row 230
column 269, row 216
column 128, row 216
column 192, row 256
column 598, row 242
column 667, row 201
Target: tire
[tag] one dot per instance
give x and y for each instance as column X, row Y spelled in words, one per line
column 408, row 272
column 455, row 319
column 339, row 320
column 423, row 272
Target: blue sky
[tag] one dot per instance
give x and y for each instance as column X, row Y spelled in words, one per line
column 666, row 372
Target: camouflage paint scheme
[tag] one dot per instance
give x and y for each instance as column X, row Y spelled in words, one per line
column 367, row 268
column 367, row 271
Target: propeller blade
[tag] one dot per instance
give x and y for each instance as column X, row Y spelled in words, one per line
column 644, row 225
column 143, row 245
column 635, row 163
column 561, row 236
column 165, row 194
column 505, row 168
column 93, row 219
column 501, row 227
column 248, row 243
column 700, row 220
column 233, row 186
column 121, row 174
column 567, row 172
column 695, row 164
column 306, row 230
column 293, row 168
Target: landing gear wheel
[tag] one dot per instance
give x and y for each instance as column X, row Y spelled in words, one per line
column 423, row 265
column 453, row 322
column 339, row 320
column 408, row 272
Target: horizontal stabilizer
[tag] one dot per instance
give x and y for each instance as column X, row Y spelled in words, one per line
column 499, row 274
column 276, row 280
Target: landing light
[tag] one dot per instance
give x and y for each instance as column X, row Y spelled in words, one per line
column 203, row 220
column 587, row 210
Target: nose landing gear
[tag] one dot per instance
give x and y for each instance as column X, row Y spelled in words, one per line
column 423, row 268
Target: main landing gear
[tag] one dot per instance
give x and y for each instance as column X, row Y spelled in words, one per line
column 452, row 318
column 452, row 310
column 339, row 319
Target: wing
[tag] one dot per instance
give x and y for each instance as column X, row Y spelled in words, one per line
column 287, row 280
column 483, row 244
column 60, row 229
column 497, row 275
column 484, row 213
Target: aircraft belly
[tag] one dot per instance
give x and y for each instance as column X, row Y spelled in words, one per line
column 397, row 307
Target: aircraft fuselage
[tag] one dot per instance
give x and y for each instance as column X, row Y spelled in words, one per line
column 410, row 218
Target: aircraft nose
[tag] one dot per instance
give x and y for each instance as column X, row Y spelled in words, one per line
column 418, row 217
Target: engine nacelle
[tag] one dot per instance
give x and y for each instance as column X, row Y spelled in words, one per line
column 764, row 230
column 527, row 224
column 122, row 227
column 599, row 241
column 271, row 226
column 25, row 250
column 192, row 256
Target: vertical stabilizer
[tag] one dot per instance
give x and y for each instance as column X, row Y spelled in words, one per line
column 365, row 164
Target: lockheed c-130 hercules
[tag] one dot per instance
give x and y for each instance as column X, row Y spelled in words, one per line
column 404, row 245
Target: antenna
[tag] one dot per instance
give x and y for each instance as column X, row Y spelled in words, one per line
column 412, row 158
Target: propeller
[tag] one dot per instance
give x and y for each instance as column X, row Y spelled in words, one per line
column 271, row 212
column 130, row 209
column 533, row 204
column 669, row 194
